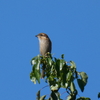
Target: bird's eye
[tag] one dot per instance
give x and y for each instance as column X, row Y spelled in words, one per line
column 42, row 35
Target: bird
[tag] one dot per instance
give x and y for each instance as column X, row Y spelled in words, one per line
column 45, row 46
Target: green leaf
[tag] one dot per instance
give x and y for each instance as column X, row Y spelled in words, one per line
column 83, row 98
column 55, row 96
column 64, row 75
column 73, row 65
column 84, row 77
column 58, row 67
column 81, row 84
column 69, row 78
column 83, row 81
column 72, row 87
column 33, row 60
column 99, row 95
column 43, row 97
column 38, row 95
column 72, row 96
column 33, row 79
column 62, row 56
column 53, row 88
column 69, row 75
column 62, row 63
column 69, row 97
column 50, row 61
column 37, row 75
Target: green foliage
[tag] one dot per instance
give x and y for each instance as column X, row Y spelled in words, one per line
column 58, row 74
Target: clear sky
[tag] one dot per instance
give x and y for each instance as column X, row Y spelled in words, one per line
column 72, row 25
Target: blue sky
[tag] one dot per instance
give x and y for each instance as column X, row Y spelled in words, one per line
column 72, row 25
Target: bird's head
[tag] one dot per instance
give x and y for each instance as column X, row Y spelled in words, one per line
column 42, row 36
column 45, row 44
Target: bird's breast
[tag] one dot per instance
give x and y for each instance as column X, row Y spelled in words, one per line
column 45, row 46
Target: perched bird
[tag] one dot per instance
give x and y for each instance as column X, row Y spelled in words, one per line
column 45, row 46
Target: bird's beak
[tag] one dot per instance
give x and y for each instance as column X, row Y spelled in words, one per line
column 36, row 35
